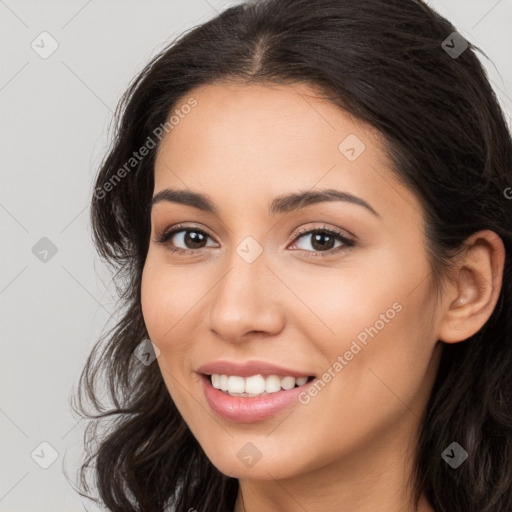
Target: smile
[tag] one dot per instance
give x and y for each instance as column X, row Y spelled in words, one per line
column 242, row 407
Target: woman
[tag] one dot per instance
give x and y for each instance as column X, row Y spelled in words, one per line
column 307, row 204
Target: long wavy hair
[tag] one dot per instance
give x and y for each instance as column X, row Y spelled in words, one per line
column 384, row 61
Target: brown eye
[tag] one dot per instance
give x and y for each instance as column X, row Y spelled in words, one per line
column 322, row 241
column 190, row 239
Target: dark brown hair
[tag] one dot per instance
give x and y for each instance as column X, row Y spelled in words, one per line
column 383, row 61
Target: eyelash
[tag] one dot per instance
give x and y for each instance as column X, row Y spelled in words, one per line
column 347, row 243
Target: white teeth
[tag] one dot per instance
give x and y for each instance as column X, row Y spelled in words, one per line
column 223, row 382
column 272, row 384
column 255, row 385
column 236, row 384
column 288, row 382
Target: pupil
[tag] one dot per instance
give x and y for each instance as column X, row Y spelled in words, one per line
column 194, row 238
column 317, row 237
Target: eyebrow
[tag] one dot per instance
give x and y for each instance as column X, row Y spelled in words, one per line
column 281, row 204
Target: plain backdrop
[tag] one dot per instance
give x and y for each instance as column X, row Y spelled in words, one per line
column 56, row 296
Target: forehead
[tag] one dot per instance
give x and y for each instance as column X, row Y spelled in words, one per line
column 243, row 141
column 247, row 118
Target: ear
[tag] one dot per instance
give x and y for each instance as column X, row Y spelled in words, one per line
column 469, row 301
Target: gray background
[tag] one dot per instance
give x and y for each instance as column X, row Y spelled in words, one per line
column 54, row 132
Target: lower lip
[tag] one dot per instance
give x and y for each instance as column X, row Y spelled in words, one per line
column 247, row 409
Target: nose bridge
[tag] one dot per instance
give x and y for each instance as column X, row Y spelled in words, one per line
column 241, row 300
column 246, row 263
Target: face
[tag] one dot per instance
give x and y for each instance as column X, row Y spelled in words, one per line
column 349, row 304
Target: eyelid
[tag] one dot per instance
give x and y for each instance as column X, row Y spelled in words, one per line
column 324, row 227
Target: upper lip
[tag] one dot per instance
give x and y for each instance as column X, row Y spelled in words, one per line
column 249, row 368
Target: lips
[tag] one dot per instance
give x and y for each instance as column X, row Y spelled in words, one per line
column 249, row 368
column 247, row 410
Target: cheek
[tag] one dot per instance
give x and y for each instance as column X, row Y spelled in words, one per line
column 380, row 326
column 171, row 301
column 164, row 307
column 346, row 306
column 165, row 298
column 391, row 368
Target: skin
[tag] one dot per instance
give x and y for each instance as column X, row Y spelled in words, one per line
column 350, row 448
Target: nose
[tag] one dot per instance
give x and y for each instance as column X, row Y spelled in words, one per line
column 247, row 300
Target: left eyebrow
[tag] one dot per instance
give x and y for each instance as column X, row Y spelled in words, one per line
column 290, row 202
column 281, row 204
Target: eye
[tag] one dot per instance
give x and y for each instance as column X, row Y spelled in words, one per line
column 322, row 240
column 191, row 238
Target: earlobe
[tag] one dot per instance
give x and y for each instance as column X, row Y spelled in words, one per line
column 471, row 300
